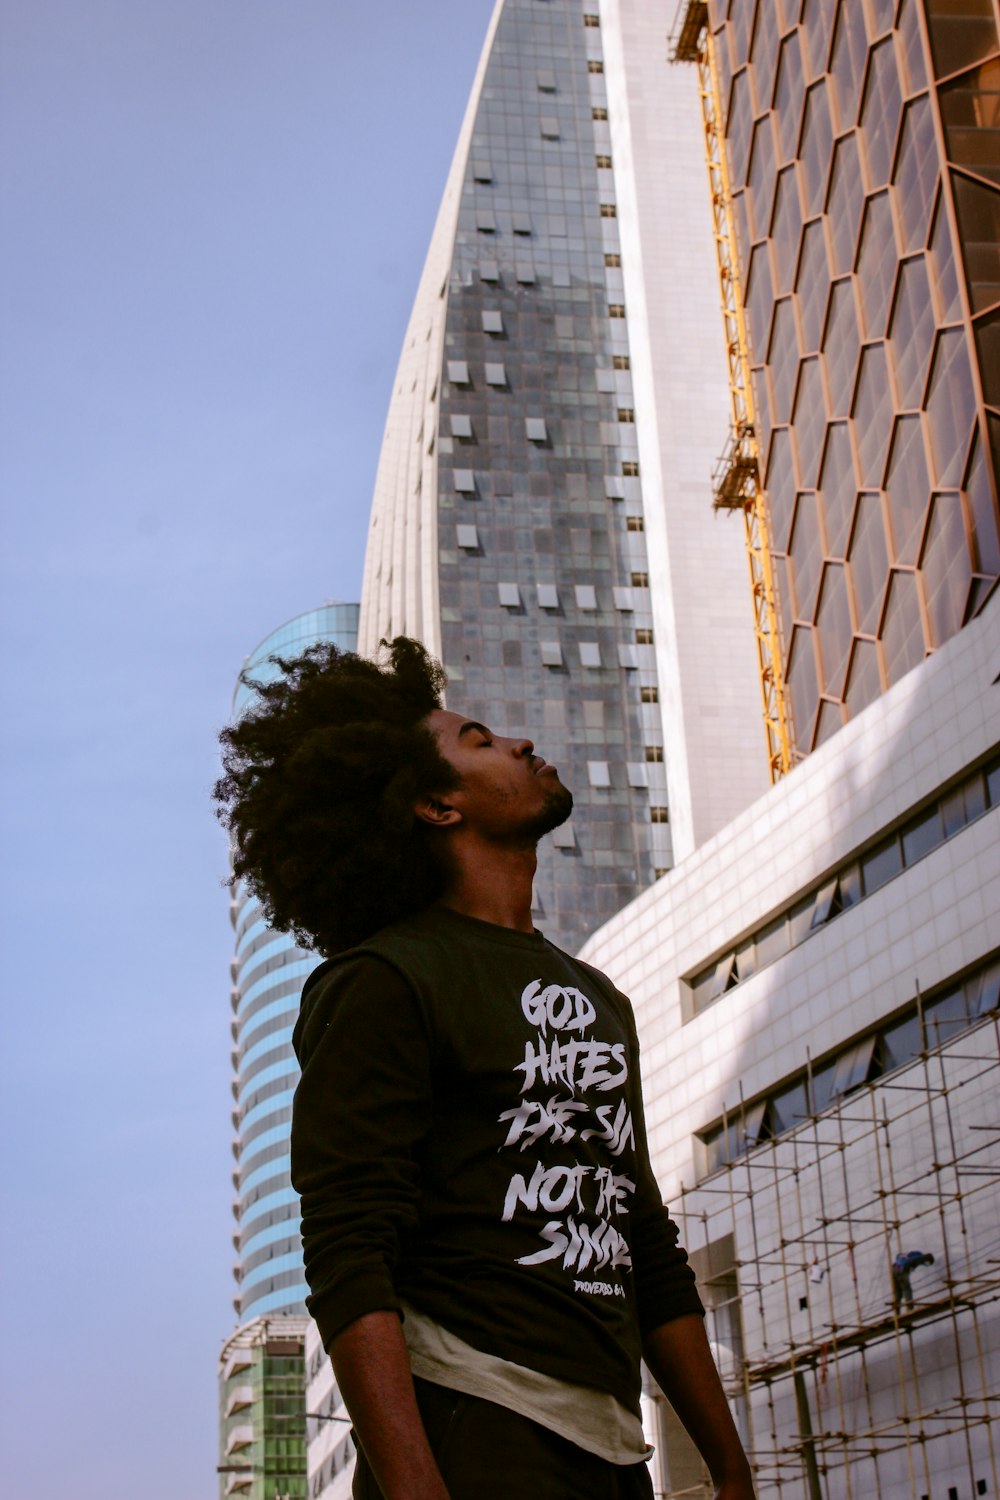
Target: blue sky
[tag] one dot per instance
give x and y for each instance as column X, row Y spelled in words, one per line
column 213, row 215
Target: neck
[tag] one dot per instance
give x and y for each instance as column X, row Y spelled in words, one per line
column 493, row 885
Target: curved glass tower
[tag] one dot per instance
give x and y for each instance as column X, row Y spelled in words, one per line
column 548, row 448
column 268, row 971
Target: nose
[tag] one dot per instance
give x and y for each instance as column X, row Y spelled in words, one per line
column 523, row 747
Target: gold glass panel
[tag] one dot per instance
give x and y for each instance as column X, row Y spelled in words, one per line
column 876, row 265
column 806, row 555
column 741, row 22
column 945, row 569
column 869, row 562
column 783, row 590
column 817, row 24
column 908, row 489
column 763, row 170
column 978, row 210
column 760, row 300
column 951, row 406
column 817, row 139
column 911, row 331
column 847, row 62
column 803, row 685
column 833, row 627
column 831, row 718
column 902, row 633
column 864, row 684
column 813, row 284
column 788, row 95
column 839, row 488
column 880, row 114
column 941, row 263
column 914, row 68
column 872, row 414
column 916, row 175
column 787, row 231
column 962, row 32
column 970, row 110
column 762, row 409
column 783, row 359
column 841, row 344
column 738, row 129
column 809, row 421
column 983, row 514
column 723, row 61
column 744, row 238
column 790, row 10
column 780, row 486
column 879, row 15
column 764, row 54
column 987, row 332
column 844, row 204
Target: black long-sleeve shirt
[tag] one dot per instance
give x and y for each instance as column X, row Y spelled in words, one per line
column 468, row 1135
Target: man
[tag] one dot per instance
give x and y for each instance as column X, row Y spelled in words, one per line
column 485, row 1244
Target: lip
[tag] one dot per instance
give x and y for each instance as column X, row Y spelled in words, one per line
column 543, row 767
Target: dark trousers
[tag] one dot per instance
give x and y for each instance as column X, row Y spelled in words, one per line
column 486, row 1452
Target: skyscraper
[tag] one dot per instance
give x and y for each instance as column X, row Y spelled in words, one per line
column 554, row 419
column 861, row 153
column 268, row 972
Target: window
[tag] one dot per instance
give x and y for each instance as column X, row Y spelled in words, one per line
column 496, row 374
column 630, row 467
column 595, row 66
column 634, row 523
column 598, row 773
column 614, row 488
column 608, row 211
column 546, row 81
column 659, row 814
column 590, row 654
column 548, row 596
column 590, row 20
column 640, row 580
column 644, row 637
column 628, row 657
column 660, row 871
column 598, row 113
column 551, row 653
column 486, row 221
column 616, row 309
column 563, row 837
column 510, row 595
column 458, row 371
column 586, row 596
column 521, row 223
column 465, row 482
column 492, row 321
column 524, row 273
column 881, row 865
column 482, row 171
column 654, row 754
column 612, row 258
column 638, row 776
column 489, row 270
column 461, row 426
column 536, row 430
column 602, row 162
column 649, row 695
column 549, row 126
column 467, row 538
column 626, row 413
column 623, row 598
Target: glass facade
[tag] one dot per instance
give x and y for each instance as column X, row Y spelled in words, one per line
column 268, row 971
column 863, row 141
column 545, row 618
column 262, row 1411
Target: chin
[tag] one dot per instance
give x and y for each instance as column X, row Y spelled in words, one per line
column 555, row 810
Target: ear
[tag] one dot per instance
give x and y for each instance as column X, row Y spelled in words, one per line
column 436, row 812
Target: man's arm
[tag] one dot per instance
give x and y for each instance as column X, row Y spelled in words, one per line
column 373, row 1373
column 679, row 1356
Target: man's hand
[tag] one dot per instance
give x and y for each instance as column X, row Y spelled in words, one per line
column 373, row 1373
column 681, row 1360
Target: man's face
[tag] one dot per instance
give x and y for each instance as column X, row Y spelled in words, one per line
column 505, row 790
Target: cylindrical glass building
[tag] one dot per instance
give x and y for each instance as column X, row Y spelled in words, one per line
column 268, row 971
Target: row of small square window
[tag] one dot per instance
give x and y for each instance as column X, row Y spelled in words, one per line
column 585, row 595
column 526, row 275
column 535, row 430
column 599, row 775
column 495, row 371
column 486, row 219
column 551, row 653
column 467, row 534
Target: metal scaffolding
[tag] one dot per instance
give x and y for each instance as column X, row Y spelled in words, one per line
column 854, row 1371
column 737, row 483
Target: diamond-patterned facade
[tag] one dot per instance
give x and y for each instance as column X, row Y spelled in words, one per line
column 870, row 262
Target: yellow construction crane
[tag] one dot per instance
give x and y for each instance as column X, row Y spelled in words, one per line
column 737, row 477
